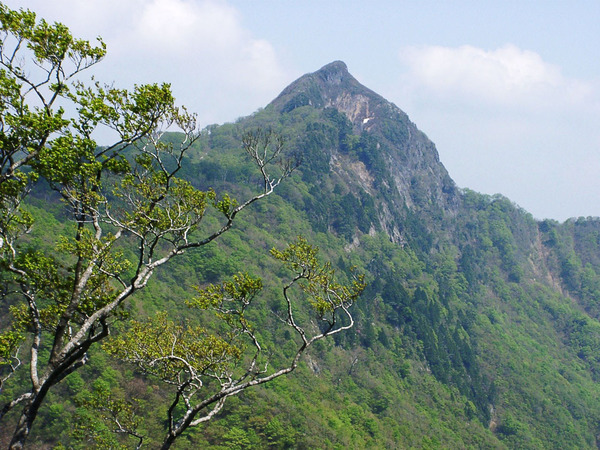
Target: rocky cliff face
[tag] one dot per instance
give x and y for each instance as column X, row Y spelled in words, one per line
column 475, row 287
column 417, row 179
column 333, row 86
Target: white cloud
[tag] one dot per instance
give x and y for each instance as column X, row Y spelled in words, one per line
column 200, row 43
column 507, row 121
column 213, row 62
column 507, row 76
column 182, row 25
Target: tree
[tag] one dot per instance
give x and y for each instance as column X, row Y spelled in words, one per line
column 123, row 196
column 205, row 367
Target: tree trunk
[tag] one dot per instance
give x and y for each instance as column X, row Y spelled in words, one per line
column 176, row 431
column 168, row 442
column 28, row 416
column 24, row 426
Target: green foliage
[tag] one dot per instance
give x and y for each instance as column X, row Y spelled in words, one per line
column 325, row 295
column 161, row 347
column 222, row 358
column 481, row 329
column 128, row 210
column 9, row 342
column 102, row 417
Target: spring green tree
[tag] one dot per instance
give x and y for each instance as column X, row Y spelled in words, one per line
column 203, row 367
column 126, row 195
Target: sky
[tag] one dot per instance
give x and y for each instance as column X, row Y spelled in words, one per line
column 509, row 91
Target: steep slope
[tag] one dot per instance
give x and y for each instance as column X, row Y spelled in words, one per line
column 399, row 159
column 479, row 327
column 464, row 287
column 486, row 298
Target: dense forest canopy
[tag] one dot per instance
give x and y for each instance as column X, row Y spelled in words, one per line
column 478, row 326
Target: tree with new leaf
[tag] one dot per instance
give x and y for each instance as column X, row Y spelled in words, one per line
column 204, row 367
column 126, row 195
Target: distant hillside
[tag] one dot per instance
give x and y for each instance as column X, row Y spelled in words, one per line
column 480, row 327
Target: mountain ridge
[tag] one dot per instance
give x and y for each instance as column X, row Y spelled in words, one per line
column 479, row 327
column 415, row 171
column 534, row 272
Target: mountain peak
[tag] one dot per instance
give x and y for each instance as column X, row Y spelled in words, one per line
column 331, row 86
column 335, row 66
column 334, row 72
column 411, row 158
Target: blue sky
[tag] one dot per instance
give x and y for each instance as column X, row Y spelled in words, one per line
column 509, row 91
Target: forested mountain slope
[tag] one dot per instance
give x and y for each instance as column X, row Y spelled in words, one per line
column 479, row 327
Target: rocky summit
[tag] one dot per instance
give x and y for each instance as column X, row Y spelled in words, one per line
column 479, row 326
column 415, row 177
